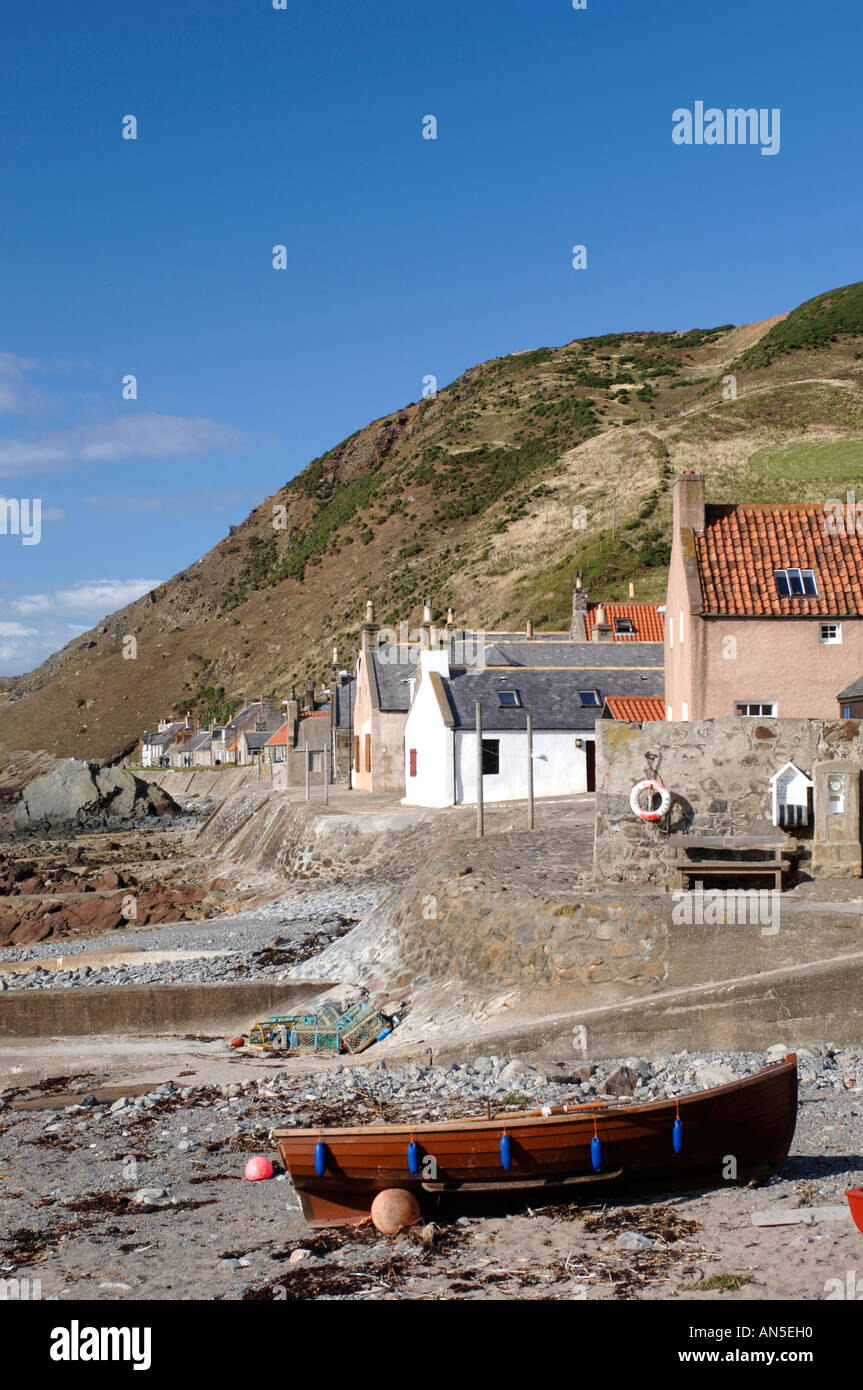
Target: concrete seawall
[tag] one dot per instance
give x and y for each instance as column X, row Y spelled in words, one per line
column 804, row 1006
column 148, row 1009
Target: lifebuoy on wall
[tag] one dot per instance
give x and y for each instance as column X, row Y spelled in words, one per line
column 652, row 786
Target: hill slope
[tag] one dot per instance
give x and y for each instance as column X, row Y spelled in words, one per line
column 487, row 497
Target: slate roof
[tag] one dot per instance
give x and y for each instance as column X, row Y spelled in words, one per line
column 551, row 697
column 164, row 738
column 255, row 738
column 740, row 547
column 574, row 655
column 646, row 619
column 852, row 692
column 637, row 709
column 393, row 669
column 199, row 742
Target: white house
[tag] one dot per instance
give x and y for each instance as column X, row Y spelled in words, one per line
column 440, row 732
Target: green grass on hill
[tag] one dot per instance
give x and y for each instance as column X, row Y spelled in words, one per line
column 814, row 324
column 813, row 461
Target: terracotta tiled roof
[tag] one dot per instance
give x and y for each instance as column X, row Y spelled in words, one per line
column 279, row 738
column 637, row 708
column 740, row 547
column 646, row 619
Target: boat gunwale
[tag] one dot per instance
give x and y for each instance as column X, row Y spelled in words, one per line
column 521, row 1119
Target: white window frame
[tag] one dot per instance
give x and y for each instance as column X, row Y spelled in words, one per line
column 830, row 634
column 799, row 572
column 745, row 709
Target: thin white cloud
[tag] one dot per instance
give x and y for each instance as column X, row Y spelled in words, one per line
column 134, row 436
column 92, row 598
column 117, row 502
column 207, row 497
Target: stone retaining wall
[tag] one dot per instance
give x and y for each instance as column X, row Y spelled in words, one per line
column 718, row 771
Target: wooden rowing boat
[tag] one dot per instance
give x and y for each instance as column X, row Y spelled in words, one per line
column 737, row 1133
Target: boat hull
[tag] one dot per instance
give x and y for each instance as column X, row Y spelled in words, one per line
column 737, row 1133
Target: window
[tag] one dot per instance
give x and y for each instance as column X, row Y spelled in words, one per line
column 589, row 699
column 490, row 757
column 368, row 752
column 684, row 711
column 508, row 699
column 831, row 632
column 765, row 708
column 413, row 762
column 624, row 627
column 356, row 753
column 846, row 711
column 795, row 583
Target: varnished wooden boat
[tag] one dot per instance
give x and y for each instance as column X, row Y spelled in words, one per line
column 740, row 1132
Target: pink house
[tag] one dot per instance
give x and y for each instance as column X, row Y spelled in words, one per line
column 764, row 613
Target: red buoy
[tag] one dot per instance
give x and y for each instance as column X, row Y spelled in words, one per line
column 258, row 1168
column 237, row 1042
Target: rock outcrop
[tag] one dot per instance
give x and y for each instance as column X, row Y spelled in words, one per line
column 79, row 793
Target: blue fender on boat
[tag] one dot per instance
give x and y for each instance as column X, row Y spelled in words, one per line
column 677, row 1135
column 414, row 1158
column 320, row 1158
column 596, row 1153
column 506, row 1152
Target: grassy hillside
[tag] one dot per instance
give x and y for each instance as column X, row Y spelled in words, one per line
column 819, row 322
column 487, row 497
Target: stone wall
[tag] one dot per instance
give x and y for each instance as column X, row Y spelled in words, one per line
column 718, row 771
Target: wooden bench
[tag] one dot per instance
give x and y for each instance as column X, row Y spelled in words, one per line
column 730, row 846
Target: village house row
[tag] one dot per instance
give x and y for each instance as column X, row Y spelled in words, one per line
column 763, row 617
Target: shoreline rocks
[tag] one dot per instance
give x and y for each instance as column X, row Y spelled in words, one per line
column 83, row 793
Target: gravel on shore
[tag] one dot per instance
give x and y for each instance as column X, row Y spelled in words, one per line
column 302, row 923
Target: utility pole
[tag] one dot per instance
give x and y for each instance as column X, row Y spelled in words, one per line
column 308, row 772
column 480, row 828
column 530, row 772
column 326, row 776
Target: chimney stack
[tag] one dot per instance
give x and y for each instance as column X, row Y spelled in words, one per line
column 601, row 631
column 688, row 503
column 578, row 625
column 369, row 632
column 425, row 640
column 631, row 590
column 450, row 617
column 310, row 694
column 528, row 632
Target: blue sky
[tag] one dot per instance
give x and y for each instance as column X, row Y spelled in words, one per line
column 406, row 256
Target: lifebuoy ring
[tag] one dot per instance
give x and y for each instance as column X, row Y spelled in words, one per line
column 650, row 785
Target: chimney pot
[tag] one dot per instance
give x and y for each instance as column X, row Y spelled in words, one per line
column 529, row 629
column 631, row 590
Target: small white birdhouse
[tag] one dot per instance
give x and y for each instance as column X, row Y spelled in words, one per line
column 790, row 796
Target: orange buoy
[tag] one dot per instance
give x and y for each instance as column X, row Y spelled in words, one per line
column 258, row 1168
column 393, row 1209
column 237, row 1042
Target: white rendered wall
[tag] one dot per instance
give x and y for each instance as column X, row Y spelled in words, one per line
column 559, row 768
